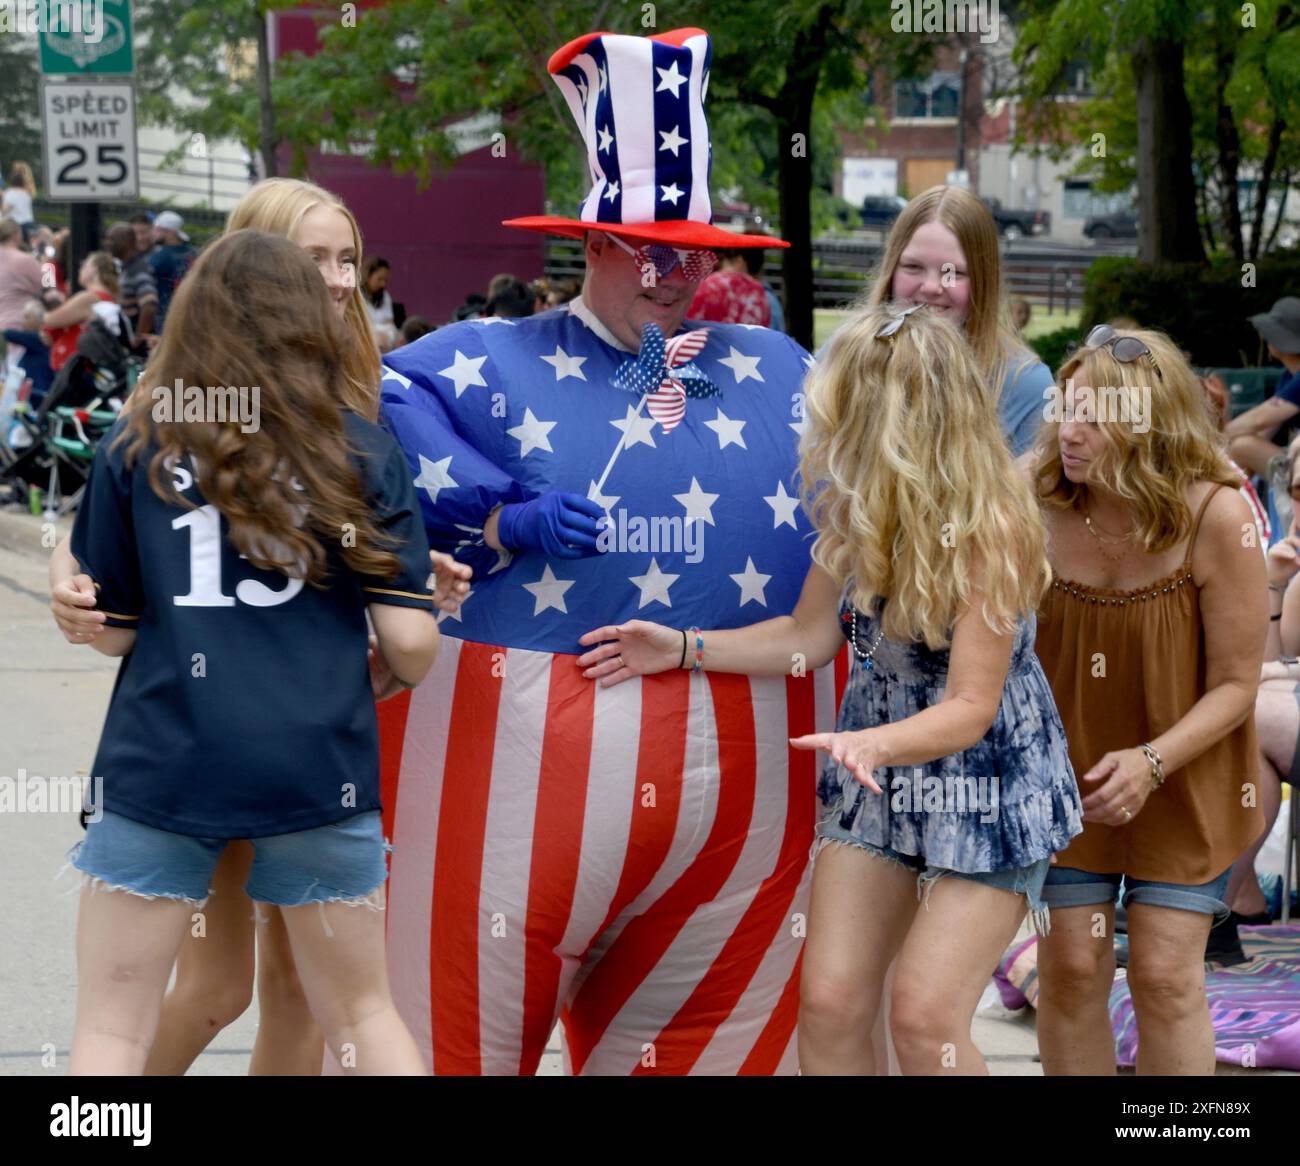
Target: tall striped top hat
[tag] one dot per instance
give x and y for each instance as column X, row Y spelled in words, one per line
column 639, row 102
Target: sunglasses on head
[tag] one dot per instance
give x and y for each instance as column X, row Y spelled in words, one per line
column 1125, row 349
column 664, row 259
column 897, row 322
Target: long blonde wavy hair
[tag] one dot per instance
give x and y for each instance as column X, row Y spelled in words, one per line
column 910, row 485
column 277, row 206
column 988, row 325
column 1151, row 464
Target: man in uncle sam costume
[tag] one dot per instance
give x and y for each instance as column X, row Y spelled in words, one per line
column 633, row 860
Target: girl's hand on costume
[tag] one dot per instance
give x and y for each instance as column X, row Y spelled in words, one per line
column 860, row 753
column 73, row 603
column 636, row 648
column 450, row 582
column 1124, row 778
column 382, row 681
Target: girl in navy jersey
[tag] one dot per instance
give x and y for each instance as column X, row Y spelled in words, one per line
column 238, row 525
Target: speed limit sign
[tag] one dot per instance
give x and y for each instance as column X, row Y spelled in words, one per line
column 90, row 147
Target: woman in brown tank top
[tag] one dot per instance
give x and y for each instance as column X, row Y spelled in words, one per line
column 1151, row 638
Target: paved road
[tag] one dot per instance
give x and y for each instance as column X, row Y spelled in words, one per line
column 54, row 696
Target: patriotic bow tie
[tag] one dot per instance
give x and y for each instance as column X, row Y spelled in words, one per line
column 663, row 369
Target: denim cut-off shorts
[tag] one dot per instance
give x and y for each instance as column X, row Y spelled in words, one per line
column 342, row 861
column 1022, row 880
column 1068, row 886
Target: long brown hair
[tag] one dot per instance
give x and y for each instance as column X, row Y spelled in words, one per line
column 988, row 325
column 254, row 314
column 278, row 205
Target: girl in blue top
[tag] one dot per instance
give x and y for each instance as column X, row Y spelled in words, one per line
column 237, row 535
column 950, row 758
column 943, row 251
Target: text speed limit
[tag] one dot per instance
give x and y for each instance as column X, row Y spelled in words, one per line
column 90, row 146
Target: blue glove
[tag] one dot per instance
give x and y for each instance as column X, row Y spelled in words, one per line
column 561, row 526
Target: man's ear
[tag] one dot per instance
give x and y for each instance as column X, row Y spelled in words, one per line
column 595, row 245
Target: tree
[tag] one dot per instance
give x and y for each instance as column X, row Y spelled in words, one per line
column 204, row 68
column 409, row 70
column 1188, row 97
column 20, row 103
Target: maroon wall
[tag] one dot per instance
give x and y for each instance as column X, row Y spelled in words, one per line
column 447, row 240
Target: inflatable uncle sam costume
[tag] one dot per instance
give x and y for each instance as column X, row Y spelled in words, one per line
column 632, row 860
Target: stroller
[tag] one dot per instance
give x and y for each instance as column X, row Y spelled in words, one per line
column 51, row 448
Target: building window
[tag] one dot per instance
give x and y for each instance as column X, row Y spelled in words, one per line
column 933, row 96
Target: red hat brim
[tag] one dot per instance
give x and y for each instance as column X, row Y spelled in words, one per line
column 674, row 232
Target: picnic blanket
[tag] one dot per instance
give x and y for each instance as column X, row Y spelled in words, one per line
column 1255, row 1006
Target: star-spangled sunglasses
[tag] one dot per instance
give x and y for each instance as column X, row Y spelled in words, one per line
column 695, row 265
column 1125, row 349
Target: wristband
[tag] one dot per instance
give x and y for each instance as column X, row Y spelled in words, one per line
column 682, row 662
column 1280, row 587
column 698, row 666
column 1273, row 618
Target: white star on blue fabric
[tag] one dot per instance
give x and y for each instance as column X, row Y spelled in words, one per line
column 457, row 615
column 611, row 191
column 669, row 78
column 434, row 477
column 672, row 140
column 548, row 592
column 606, row 502
column 391, row 374
column 639, row 430
column 698, row 503
column 742, row 366
column 486, row 320
column 532, row 434
column 603, row 74
column 654, row 586
column 728, row 430
column 582, row 89
column 783, row 507
column 606, row 139
column 566, row 365
column 751, row 582
column 464, row 371
column 671, row 193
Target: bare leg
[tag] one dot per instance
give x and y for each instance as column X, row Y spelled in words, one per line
column 345, row 977
column 1277, row 722
column 214, row 970
column 1076, row 966
column 862, row 905
column 949, row 956
column 289, row 1043
column 1166, row 974
column 126, row 945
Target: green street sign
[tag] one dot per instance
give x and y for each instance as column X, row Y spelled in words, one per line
column 87, row 37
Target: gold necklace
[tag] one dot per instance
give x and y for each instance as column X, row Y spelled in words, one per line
column 1104, row 540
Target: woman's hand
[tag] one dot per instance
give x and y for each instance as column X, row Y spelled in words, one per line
column 1284, row 559
column 383, row 683
column 636, row 648
column 860, row 753
column 450, row 582
column 73, row 603
column 1124, row 780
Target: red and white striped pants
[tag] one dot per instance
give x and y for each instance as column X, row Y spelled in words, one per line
column 633, row 860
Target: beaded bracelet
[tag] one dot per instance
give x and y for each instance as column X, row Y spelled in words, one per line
column 1157, row 765
column 699, row 650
